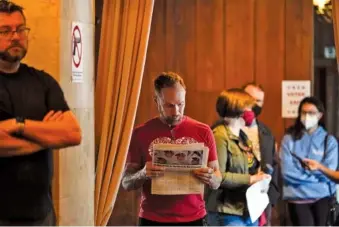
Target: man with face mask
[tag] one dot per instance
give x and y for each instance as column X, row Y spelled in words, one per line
column 263, row 144
column 34, row 119
column 171, row 126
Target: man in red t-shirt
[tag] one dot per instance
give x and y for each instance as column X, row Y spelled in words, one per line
column 172, row 126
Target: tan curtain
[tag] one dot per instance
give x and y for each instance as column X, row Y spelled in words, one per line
column 335, row 16
column 123, row 46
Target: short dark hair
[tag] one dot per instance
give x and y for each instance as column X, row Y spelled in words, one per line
column 254, row 84
column 7, row 6
column 168, row 79
column 232, row 102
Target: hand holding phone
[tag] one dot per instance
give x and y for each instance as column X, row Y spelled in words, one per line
column 303, row 164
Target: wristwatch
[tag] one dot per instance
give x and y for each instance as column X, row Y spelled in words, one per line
column 20, row 121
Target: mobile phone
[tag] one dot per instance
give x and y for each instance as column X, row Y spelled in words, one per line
column 303, row 164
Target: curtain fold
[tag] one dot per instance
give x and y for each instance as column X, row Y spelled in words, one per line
column 335, row 17
column 123, row 46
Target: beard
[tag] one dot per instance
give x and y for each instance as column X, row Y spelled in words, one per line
column 7, row 56
column 173, row 120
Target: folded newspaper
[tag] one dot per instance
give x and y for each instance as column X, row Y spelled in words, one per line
column 179, row 161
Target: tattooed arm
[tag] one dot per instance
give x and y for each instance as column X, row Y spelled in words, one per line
column 134, row 176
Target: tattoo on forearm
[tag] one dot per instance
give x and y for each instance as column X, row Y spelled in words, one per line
column 133, row 178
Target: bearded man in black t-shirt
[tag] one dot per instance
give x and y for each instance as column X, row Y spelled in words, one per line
column 34, row 119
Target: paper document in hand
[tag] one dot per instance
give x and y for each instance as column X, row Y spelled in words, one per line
column 179, row 160
column 257, row 198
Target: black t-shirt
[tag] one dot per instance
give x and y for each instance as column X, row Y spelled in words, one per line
column 25, row 189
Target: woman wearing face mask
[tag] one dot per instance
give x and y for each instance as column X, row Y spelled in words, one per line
column 238, row 164
column 308, row 193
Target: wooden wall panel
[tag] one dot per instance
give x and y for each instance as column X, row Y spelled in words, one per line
column 206, row 100
column 209, row 48
column 180, row 41
column 155, row 62
column 239, row 42
column 270, row 66
column 270, row 59
column 219, row 44
column 299, row 42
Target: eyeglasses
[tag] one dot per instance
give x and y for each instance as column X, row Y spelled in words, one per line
column 22, row 33
column 311, row 113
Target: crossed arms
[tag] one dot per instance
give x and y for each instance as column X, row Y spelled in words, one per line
column 57, row 130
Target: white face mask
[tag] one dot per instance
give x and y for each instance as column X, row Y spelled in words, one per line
column 309, row 121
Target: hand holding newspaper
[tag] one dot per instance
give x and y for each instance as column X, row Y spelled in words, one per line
column 257, row 198
column 179, row 160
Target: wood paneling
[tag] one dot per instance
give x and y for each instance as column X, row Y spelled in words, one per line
column 239, row 40
column 209, row 48
column 270, row 59
column 219, row 44
column 299, row 42
column 156, row 54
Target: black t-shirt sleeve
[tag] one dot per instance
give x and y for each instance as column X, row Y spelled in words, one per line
column 5, row 105
column 55, row 99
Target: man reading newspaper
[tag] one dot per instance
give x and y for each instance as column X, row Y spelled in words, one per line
column 179, row 160
column 171, row 127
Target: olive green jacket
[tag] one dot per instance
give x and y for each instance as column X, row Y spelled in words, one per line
column 230, row 198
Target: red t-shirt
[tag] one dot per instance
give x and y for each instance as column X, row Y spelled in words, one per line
column 169, row 208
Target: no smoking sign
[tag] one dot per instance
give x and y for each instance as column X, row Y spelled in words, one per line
column 77, row 52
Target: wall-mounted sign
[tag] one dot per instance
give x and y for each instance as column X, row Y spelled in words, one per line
column 77, row 53
column 293, row 91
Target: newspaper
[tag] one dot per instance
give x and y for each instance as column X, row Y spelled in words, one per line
column 179, row 161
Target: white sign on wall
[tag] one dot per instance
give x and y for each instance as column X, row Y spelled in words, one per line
column 293, row 91
column 77, row 53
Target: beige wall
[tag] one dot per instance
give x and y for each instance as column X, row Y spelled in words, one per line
column 77, row 164
column 50, row 49
column 43, row 19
